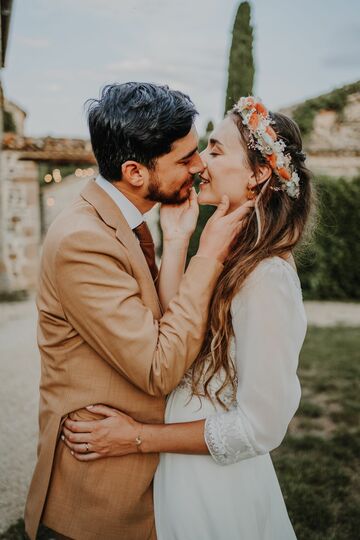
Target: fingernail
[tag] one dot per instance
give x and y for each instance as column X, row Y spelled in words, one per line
column 63, row 437
column 71, row 452
column 89, row 406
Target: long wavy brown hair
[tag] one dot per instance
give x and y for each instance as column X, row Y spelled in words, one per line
column 275, row 229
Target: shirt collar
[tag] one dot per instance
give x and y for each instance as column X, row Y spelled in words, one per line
column 132, row 215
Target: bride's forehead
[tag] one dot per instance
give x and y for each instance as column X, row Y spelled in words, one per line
column 226, row 132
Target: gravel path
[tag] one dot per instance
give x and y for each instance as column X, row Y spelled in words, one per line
column 19, row 376
column 333, row 313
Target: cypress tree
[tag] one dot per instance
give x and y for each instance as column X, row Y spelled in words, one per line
column 241, row 63
column 209, row 127
column 204, row 139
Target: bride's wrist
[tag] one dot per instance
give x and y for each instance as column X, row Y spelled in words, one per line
column 176, row 244
column 139, row 438
column 146, row 437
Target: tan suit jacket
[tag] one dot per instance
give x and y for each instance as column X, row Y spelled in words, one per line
column 103, row 339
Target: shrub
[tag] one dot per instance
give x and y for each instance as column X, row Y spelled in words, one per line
column 329, row 265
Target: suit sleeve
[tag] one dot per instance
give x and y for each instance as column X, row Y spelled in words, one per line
column 102, row 301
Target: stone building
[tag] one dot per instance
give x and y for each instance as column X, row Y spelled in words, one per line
column 25, row 163
column 15, row 116
column 5, row 15
column 330, row 124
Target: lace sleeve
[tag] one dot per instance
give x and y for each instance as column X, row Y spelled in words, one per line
column 269, row 328
column 227, row 438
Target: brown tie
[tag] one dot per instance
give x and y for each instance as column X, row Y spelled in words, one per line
column 147, row 245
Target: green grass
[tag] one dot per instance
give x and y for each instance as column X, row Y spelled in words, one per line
column 318, row 462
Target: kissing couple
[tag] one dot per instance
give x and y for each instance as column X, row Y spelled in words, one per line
column 163, row 392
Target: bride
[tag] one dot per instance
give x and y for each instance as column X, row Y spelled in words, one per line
column 216, row 479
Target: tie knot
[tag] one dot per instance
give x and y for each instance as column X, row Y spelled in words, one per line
column 143, row 233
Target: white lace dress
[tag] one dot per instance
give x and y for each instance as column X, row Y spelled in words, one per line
column 233, row 493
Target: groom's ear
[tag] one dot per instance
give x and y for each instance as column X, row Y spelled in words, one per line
column 134, row 173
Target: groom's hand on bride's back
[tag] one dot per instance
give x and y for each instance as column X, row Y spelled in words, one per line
column 221, row 229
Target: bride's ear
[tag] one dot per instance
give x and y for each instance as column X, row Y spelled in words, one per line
column 263, row 173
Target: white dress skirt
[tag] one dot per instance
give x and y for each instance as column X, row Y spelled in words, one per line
column 233, row 493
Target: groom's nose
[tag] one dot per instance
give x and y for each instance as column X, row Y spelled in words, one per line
column 197, row 165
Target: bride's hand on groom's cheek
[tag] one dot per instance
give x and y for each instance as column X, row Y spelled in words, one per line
column 178, row 221
column 114, row 435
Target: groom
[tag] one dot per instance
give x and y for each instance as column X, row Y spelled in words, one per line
column 102, row 335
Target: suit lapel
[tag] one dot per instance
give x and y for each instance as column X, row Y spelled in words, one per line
column 110, row 213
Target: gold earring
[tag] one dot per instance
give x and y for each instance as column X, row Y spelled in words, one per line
column 250, row 194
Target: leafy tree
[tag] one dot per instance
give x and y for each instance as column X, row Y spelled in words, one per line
column 205, row 211
column 204, row 139
column 8, row 122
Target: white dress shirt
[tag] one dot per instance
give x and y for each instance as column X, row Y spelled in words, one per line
column 132, row 215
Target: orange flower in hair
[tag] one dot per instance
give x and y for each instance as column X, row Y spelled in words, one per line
column 254, row 121
column 272, row 160
column 261, row 109
column 271, row 132
column 250, row 102
column 263, row 138
column 284, row 173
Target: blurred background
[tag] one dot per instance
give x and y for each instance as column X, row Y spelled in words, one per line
column 301, row 58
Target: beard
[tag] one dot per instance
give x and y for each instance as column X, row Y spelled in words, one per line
column 156, row 194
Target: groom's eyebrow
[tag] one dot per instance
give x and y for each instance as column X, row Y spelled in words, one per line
column 189, row 154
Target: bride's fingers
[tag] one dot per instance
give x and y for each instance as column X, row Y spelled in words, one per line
column 75, row 437
column 79, row 448
column 104, row 410
column 221, row 209
column 193, row 200
column 79, row 426
column 91, row 456
column 242, row 211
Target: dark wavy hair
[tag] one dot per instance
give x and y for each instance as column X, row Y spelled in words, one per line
column 136, row 121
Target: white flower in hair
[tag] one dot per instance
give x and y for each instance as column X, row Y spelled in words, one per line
column 256, row 118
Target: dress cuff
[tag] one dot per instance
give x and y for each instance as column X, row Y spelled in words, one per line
column 227, row 439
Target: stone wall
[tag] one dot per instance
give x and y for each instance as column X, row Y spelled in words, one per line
column 333, row 146
column 20, row 223
column 2, row 265
column 17, row 114
column 22, row 159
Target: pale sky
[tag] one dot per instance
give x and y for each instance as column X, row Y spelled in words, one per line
column 61, row 52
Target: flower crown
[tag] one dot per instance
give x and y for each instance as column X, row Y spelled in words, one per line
column 256, row 118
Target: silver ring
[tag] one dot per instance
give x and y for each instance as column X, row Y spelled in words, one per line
column 87, row 447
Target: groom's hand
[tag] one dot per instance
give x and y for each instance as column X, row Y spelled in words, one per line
column 222, row 228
